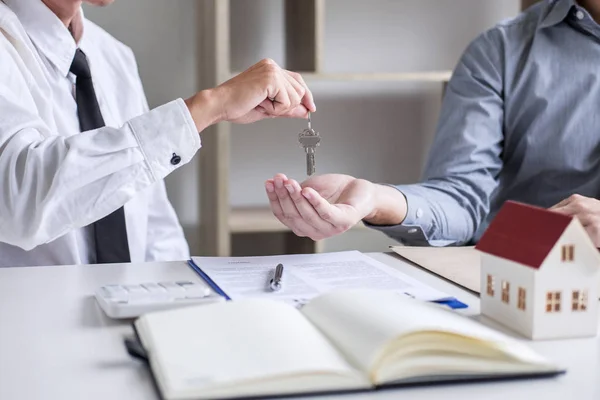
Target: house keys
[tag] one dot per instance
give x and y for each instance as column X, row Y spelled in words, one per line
column 309, row 140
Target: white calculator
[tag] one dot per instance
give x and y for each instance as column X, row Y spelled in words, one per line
column 129, row 301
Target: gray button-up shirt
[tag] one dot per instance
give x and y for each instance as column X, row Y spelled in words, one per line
column 520, row 121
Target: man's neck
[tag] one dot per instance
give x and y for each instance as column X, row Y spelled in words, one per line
column 593, row 7
column 70, row 15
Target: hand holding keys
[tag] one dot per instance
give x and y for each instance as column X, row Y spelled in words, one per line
column 309, row 140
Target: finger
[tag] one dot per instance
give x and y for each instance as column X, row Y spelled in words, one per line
column 569, row 209
column 276, row 206
column 290, row 212
column 279, row 92
column 274, row 200
column 574, row 209
column 292, row 88
column 307, row 98
column 298, row 112
column 564, row 202
column 309, row 227
column 275, row 107
column 560, row 204
column 578, row 206
column 572, row 199
column 298, row 87
column 307, row 211
column 266, row 107
column 588, row 219
column 283, row 196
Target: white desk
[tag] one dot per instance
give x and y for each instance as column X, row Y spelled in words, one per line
column 55, row 342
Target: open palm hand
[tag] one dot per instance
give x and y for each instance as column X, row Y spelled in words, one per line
column 323, row 206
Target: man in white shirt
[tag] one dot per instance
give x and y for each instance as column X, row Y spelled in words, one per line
column 82, row 157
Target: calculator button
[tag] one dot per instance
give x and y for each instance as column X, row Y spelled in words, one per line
column 137, row 293
column 197, row 293
column 175, row 291
column 157, row 292
column 115, row 293
column 194, row 290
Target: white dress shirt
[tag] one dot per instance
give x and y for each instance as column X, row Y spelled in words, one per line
column 55, row 180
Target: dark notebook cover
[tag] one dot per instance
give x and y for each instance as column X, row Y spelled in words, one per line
column 136, row 350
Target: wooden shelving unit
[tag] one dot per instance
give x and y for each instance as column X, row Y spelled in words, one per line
column 434, row 76
column 304, row 30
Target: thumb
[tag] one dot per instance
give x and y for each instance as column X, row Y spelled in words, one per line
column 560, row 204
column 299, row 111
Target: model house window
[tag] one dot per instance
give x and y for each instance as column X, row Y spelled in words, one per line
column 490, row 285
column 567, row 252
column 579, row 300
column 553, row 302
column 505, row 291
column 521, row 299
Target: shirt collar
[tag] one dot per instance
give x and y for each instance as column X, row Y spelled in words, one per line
column 556, row 12
column 46, row 31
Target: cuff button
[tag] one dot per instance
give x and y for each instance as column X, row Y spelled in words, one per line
column 175, row 159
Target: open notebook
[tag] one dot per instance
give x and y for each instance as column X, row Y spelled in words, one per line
column 350, row 340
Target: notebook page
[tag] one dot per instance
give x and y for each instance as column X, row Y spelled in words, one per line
column 362, row 322
column 221, row 346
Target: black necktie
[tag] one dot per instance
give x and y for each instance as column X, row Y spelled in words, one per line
column 110, row 231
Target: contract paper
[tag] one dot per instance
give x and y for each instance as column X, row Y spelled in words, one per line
column 308, row 275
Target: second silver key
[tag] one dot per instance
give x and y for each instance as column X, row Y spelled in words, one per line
column 309, row 140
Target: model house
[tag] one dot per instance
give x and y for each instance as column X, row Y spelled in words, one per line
column 540, row 273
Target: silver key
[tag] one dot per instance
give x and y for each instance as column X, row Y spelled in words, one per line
column 309, row 139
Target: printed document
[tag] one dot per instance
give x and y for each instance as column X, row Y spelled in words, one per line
column 308, row 275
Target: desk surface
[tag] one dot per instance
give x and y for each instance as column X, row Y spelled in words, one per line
column 56, row 343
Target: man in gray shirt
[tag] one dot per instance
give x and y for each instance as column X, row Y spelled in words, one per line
column 520, row 120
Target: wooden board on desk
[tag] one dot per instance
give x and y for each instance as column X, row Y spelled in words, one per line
column 460, row 265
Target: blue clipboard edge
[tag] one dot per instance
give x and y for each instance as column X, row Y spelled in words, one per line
column 450, row 302
column 207, row 279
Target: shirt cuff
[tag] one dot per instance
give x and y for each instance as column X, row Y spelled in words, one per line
column 167, row 136
column 419, row 220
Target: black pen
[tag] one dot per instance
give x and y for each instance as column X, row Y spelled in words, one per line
column 276, row 282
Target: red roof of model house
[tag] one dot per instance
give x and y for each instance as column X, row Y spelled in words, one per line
column 522, row 233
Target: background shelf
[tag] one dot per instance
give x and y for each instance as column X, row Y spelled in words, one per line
column 433, row 76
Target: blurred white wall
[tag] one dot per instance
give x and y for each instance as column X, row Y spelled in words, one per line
column 379, row 131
